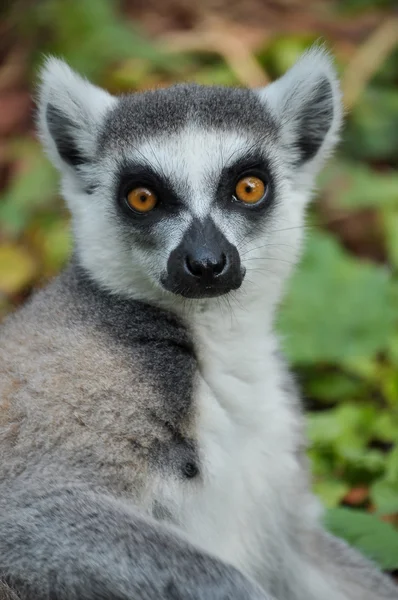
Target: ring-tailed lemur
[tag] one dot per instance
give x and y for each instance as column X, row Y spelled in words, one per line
column 150, row 437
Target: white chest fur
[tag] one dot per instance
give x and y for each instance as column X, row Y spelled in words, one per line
column 248, row 434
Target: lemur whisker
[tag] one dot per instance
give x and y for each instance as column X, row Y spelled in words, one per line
column 275, row 258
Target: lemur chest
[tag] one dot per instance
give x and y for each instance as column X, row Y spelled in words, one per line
column 242, row 431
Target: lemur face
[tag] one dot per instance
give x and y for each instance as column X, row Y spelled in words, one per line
column 187, row 192
column 175, row 191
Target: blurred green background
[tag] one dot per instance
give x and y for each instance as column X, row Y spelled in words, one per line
column 339, row 323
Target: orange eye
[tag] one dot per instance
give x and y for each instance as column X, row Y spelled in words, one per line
column 250, row 189
column 141, row 199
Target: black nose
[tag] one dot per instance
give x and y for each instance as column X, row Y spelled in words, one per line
column 205, row 265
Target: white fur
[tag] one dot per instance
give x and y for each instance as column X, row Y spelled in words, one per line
column 128, row 271
column 83, row 103
column 191, row 156
column 287, row 96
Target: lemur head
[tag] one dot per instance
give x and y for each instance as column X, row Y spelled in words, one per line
column 178, row 192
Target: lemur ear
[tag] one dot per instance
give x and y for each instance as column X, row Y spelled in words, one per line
column 306, row 102
column 71, row 110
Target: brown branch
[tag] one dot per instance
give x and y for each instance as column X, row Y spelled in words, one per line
column 367, row 60
column 222, row 38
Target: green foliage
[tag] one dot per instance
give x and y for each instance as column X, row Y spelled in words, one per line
column 355, row 185
column 385, row 496
column 283, row 52
column 90, row 35
column 357, row 294
column 341, row 448
column 34, row 189
column 372, row 129
column 374, row 538
column 331, row 491
column 339, row 326
column 352, row 6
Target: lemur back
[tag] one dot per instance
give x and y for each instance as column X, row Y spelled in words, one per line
column 151, row 435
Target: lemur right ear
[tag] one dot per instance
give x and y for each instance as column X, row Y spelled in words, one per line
column 306, row 102
column 71, row 110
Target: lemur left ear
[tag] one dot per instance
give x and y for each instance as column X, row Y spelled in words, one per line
column 71, row 110
column 306, row 103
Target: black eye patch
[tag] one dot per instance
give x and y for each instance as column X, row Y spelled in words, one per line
column 252, row 164
column 134, row 175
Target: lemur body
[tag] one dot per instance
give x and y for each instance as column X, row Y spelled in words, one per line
column 151, row 436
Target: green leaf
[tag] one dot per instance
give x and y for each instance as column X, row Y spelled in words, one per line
column 338, row 309
column 34, row 187
column 334, row 386
column 219, row 74
column 371, row 131
column 390, row 222
column 102, row 35
column 388, row 70
column 366, row 464
column 384, row 494
column 385, row 426
column 392, row 465
column 374, row 538
column 357, row 6
column 331, row 491
column 283, row 51
column 339, row 444
column 347, row 427
column 322, row 463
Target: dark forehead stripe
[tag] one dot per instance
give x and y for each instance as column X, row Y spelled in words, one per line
column 168, row 110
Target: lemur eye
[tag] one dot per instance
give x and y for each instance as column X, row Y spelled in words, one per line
column 141, row 199
column 250, row 189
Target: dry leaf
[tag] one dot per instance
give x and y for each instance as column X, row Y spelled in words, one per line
column 17, row 269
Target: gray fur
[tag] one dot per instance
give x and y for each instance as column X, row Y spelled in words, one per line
column 139, row 116
column 69, row 466
column 6, row 593
column 134, row 362
column 66, row 542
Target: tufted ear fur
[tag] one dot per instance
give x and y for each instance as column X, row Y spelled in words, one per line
column 306, row 102
column 71, row 109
